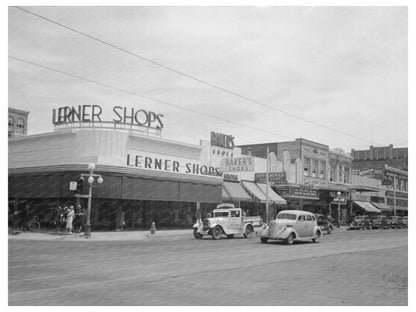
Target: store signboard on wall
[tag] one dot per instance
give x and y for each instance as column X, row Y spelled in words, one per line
column 237, row 164
column 158, row 162
column 300, row 191
column 274, row 177
column 230, row 177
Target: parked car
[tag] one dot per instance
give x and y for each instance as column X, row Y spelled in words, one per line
column 360, row 223
column 395, row 222
column 291, row 225
column 379, row 222
column 324, row 223
column 405, row 221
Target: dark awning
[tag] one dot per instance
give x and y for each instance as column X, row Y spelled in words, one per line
column 382, row 206
column 367, row 206
column 234, row 191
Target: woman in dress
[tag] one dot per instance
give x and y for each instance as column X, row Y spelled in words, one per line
column 70, row 218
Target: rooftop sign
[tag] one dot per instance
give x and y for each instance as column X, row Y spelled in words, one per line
column 92, row 114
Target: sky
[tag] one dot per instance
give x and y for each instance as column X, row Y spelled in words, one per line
column 341, row 68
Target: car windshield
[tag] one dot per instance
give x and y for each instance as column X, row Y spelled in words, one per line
column 220, row 214
column 287, row 216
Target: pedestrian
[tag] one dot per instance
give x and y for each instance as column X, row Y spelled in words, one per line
column 59, row 218
column 120, row 219
column 77, row 219
column 70, row 219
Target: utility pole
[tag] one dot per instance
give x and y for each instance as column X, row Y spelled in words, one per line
column 267, row 186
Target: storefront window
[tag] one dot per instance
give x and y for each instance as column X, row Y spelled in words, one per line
column 306, row 167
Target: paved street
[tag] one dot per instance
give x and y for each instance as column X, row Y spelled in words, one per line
column 345, row 268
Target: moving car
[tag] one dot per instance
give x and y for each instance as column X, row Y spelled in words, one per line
column 379, row 222
column 360, row 223
column 227, row 220
column 395, row 222
column 324, row 223
column 291, row 225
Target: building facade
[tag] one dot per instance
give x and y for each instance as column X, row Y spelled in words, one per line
column 18, row 122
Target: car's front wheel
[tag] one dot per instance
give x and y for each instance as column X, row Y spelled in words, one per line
column 264, row 240
column 216, row 232
column 290, row 239
column 196, row 234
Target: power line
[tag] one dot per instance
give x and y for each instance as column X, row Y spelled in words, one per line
column 142, row 96
column 192, row 77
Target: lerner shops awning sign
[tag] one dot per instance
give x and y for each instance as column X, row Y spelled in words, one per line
column 237, row 164
column 157, row 162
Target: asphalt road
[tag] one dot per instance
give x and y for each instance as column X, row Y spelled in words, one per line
column 345, row 268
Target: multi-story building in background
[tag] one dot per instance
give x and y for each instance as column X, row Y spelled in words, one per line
column 377, row 157
column 18, row 120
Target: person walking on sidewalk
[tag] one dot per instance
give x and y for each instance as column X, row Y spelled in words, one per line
column 59, row 218
column 120, row 219
column 70, row 219
column 79, row 219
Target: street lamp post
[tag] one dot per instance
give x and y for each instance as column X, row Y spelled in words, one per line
column 339, row 209
column 90, row 180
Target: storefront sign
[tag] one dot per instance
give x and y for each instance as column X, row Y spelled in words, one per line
column 93, row 113
column 274, row 177
column 297, row 191
column 230, row 177
column 237, row 164
column 156, row 162
column 222, row 140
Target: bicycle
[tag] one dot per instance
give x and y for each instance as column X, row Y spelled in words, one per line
column 32, row 225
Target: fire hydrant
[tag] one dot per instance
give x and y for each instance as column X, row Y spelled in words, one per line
column 153, row 228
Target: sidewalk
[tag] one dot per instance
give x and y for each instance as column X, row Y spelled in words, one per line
column 104, row 236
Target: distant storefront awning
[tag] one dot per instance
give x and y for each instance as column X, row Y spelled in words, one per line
column 258, row 190
column 234, row 191
column 399, row 208
column 382, row 206
column 367, row 206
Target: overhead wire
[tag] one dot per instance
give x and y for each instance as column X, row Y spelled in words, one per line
column 142, row 96
column 193, row 77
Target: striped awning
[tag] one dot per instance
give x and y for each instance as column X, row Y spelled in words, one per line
column 367, row 206
column 234, row 191
column 258, row 190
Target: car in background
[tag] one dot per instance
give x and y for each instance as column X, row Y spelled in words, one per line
column 360, row 223
column 324, row 223
column 395, row 222
column 291, row 225
column 379, row 222
column 405, row 221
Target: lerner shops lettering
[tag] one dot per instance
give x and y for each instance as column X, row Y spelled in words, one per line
column 92, row 113
column 151, row 162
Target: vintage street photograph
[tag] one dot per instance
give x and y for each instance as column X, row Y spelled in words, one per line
column 207, row 156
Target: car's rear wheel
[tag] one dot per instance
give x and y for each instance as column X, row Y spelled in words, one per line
column 264, row 240
column 216, row 232
column 248, row 232
column 290, row 239
column 316, row 238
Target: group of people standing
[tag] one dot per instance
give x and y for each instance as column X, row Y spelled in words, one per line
column 70, row 218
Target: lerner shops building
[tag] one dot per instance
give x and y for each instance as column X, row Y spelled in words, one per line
column 151, row 178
